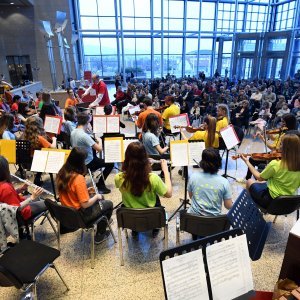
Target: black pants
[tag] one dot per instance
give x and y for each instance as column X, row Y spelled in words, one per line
column 98, row 163
column 36, row 207
column 255, row 163
column 92, row 213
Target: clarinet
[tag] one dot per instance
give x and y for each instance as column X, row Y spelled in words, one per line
column 32, row 184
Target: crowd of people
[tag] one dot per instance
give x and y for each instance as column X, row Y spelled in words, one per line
column 211, row 104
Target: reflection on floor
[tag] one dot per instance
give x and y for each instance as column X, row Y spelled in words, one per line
column 140, row 278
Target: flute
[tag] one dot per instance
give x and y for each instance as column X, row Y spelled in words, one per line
column 93, row 182
column 31, row 184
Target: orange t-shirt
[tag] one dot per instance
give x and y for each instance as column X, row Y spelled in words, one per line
column 142, row 117
column 71, row 102
column 43, row 142
column 77, row 193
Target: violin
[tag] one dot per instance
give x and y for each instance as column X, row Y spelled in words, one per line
column 277, row 130
column 161, row 108
column 260, row 156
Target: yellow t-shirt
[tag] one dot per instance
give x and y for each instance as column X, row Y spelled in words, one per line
column 203, row 135
column 171, row 111
column 221, row 124
column 277, row 141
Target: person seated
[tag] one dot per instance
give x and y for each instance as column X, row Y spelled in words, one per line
column 6, row 127
column 280, row 177
column 80, row 138
column 222, row 117
column 72, row 100
column 15, row 105
column 30, row 206
column 139, row 187
column 207, row 189
column 195, row 112
column 171, row 111
column 207, row 133
column 39, row 101
column 73, row 192
column 241, row 115
column 280, row 113
column 108, row 111
column 120, row 99
column 49, row 108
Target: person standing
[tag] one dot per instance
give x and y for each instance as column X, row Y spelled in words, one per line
column 172, row 110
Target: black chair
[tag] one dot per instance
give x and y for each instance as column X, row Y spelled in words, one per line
column 65, row 139
column 283, row 205
column 70, row 218
column 200, row 225
column 23, row 155
column 22, row 265
column 141, row 220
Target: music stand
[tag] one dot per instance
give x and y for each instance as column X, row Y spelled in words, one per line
column 202, row 243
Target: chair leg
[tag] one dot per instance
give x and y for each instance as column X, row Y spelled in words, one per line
column 120, row 247
column 55, row 268
column 32, row 231
column 166, row 241
column 34, row 291
column 297, row 216
column 111, row 231
column 177, row 237
column 126, row 233
column 92, row 248
column 275, row 219
column 51, row 223
column 81, row 238
column 58, row 235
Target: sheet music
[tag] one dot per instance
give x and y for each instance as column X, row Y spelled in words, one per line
column 127, row 142
column 229, row 268
column 99, row 110
column 296, row 229
column 185, row 277
column 55, row 161
column 229, row 136
column 195, row 152
column 52, row 125
column 181, row 120
column 39, row 161
column 99, row 124
column 179, row 154
column 134, row 109
column 113, row 124
column 113, row 150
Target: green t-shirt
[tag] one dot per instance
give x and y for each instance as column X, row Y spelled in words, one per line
column 281, row 182
column 148, row 198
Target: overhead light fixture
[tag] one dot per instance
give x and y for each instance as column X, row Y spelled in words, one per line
column 12, row 3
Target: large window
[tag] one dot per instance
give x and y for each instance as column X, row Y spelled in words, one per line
column 154, row 37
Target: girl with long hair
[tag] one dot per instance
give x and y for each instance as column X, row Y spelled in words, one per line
column 72, row 99
column 73, row 192
column 11, row 196
column 280, row 177
column 150, row 136
column 138, row 186
column 6, row 125
column 207, row 133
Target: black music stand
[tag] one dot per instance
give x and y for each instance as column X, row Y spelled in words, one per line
column 202, row 243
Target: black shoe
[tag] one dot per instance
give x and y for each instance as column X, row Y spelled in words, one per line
column 155, row 232
column 103, row 190
column 196, row 167
column 180, row 172
column 135, row 234
column 100, row 238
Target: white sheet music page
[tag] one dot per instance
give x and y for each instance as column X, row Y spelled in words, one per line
column 181, row 120
column 134, row 109
column 39, row 161
column 185, row 277
column 113, row 150
column 99, row 124
column 195, row 152
column 113, row 124
column 229, row 268
column 179, row 154
column 99, row 110
column 127, row 142
column 229, row 136
column 52, row 125
column 296, row 229
column 55, row 161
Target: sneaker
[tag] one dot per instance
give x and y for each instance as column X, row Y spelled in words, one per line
column 103, row 190
column 100, row 238
column 155, row 232
column 241, row 180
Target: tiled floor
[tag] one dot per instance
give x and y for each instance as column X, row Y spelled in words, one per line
column 140, row 278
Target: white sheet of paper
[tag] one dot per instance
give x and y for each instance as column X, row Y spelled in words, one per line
column 296, row 229
column 112, row 151
column 229, row 268
column 185, row 277
column 178, row 121
column 99, row 124
column 99, row 110
column 229, row 137
column 54, row 162
column 179, row 154
column 39, row 161
column 52, row 125
column 113, row 124
column 195, row 152
column 134, row 109
column 127, row 142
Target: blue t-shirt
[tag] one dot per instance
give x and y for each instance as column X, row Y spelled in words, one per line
column 209, row 191
column 69, row 126
column 7, row 135
column 150, row 141
column 79, row 138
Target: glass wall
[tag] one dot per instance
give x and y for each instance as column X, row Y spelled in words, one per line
column 182, row 37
